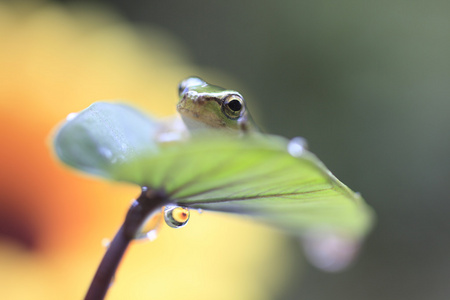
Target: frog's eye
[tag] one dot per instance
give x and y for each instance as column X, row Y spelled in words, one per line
column 233, row 106
column 189, row 82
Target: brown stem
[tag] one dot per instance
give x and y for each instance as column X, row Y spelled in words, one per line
column 146, row 204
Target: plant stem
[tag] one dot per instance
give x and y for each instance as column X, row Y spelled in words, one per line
column 149, row 202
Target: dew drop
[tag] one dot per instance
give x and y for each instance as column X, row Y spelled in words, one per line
column 113, row 280
column 330, row 251
column 71, row 116
column 297, row 146
column 176, row 216
column 106, row 242
column 151, row 228
column 105, row 152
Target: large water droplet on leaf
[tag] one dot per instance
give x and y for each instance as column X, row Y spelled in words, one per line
column 176, row 216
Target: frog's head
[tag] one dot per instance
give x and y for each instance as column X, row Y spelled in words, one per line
column 202, row 105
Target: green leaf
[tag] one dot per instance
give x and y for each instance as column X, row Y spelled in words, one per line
column 104, row 135
column 253, row 175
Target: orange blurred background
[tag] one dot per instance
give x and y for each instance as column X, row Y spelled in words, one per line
column 56, row 60
column 365, row 82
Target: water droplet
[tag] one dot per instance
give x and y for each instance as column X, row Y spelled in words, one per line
column 71, row 116
column 176, row 216
column 105, row 152
column 106, row 242
column 113, row 280
column 329, row 250
column 151, row 228
column 297, row 146
column 199, row 210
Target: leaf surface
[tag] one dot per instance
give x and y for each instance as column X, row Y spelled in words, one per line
column 254, row 175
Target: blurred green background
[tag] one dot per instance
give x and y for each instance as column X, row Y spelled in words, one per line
column 368, row 84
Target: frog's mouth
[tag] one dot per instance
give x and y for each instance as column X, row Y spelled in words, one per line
column 195, row 114
column 187, row 110
column 194, row 119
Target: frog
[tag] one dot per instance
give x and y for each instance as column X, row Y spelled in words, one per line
column 205, row 106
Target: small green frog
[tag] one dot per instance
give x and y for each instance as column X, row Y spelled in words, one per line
column 202, row 105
